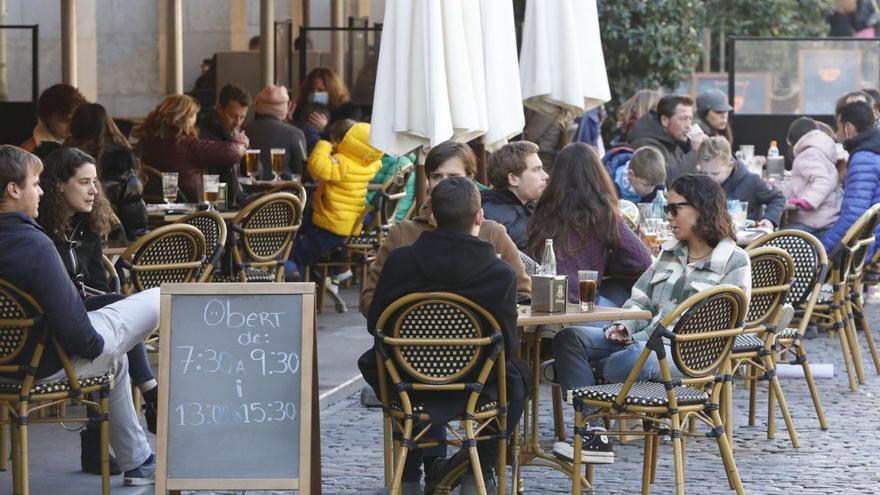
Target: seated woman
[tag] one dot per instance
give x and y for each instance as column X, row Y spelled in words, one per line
column 93, row 131
column 169, row 141
column 578, row 210
column 75, row 215
column 814, row 188
column 713, row 114
column 702, row 255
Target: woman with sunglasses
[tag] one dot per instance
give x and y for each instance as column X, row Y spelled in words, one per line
column 77, row 217
column 703, row 254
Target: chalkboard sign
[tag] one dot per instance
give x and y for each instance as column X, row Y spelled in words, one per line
column 235, row 386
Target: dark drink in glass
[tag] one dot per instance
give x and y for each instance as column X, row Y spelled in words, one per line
column 588, row 285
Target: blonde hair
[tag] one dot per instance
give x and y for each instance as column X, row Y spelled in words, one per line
column 714, row 150
column 649, row 164
column 172, row 119
column 637, row 106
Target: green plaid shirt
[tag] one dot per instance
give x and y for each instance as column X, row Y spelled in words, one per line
column 671, row 280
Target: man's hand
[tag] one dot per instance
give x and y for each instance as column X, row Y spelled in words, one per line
column 767, row 224
column 239, row 137
column 617, row 334
column 318, row 119
column 698, row 140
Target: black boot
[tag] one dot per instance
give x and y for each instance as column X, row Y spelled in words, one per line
column 90, row 451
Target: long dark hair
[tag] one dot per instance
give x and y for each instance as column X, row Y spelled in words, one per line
column 726, row 133
column 54, row 216
column 580, row 203
column 707, row 197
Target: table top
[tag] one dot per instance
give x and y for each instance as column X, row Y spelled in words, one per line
column 573, row 314
column 164, row 214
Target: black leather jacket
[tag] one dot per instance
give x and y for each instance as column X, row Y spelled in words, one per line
column 124, row 190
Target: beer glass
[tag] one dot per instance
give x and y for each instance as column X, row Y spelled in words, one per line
column 169, row 187
column 278, row 155
column 210, row 189
column 252, row 163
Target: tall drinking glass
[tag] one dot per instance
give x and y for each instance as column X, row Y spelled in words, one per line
column 588, row 285
column 252, row 163
column 169, row 187
column 278, row 155
column 210, row 189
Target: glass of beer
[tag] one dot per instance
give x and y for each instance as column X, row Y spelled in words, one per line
column 588, row 284
column 278, row 155
column 252, row 162
column 210, row 189
column 169, row 187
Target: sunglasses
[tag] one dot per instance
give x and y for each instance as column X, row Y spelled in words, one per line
column 672, row 208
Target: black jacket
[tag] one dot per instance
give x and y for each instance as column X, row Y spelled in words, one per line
column 124, row 190
column 680, row 158
column 444, row 261
column 764, row 201
column 29, row 260
column 505, row 208
column 81, row 254
column 267, row 132
column 210, row 129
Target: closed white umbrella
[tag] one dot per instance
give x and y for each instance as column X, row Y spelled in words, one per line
column 446, row 71
column 561, row 61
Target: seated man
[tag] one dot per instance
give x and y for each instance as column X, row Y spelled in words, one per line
column 519, row 178
column 96, row 341
column 766, row 203
column 452, row 258
column 447, row 159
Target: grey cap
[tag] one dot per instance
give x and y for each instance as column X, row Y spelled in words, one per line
column 713, row 99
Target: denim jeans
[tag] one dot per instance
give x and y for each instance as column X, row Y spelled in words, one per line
column 575, row 348
column 818, row 233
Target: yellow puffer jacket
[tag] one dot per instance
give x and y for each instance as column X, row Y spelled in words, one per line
column 342, row 179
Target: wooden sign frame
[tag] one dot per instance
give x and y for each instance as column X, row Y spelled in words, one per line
column 308, row 411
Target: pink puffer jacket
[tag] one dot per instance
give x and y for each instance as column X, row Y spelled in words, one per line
column 814, row 179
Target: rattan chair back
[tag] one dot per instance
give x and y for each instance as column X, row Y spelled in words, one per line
column 17, row 317
column 706, row 326
column 295, row 188
column 112, row 277
column 810, row 262
column 264, row 230
column 438, row 338
column 772, row 272
column 213, row 227
column 170, row 254
column 857, row 243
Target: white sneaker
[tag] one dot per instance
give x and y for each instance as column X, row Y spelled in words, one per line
column 342, row 277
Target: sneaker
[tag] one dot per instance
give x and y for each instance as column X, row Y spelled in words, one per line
column 469, row 484
column 150, row 416
column 369, row 397
column 406, row 488
column 548, row 371
column 595, row 448
column 442, row 467
column 145, row 474
column 347, row 274
column 332, row 288
column 90, row 453
column 786, row 317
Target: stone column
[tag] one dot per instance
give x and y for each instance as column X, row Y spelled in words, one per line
column 68, row 42
column 267, row 43
column 174, row 20
column 337, row 38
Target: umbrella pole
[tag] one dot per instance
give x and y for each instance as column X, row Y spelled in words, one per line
column 421, row 179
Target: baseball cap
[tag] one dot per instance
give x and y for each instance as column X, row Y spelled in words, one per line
column 713, row 99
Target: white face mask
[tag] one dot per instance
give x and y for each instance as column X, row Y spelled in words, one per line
column 319, row 97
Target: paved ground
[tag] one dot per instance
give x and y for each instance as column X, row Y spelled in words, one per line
column 842, row 460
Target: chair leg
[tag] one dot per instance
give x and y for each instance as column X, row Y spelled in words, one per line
column 776, row 388
column 576, row 461
column 845, row 349
column 4, row 438
column 648, row 458
column 859, row 310
column 854, row 341
column 814, row 392
column 400, row 459
column 388, row 448
column 727, row 394
column 501, row 463
column 752, row 383
column 23, row 449
column 558, row 418
column 105, row 442
column 727, row 457
column 677, row 455
column 655, row 451
column 771, row 412
column 475, row 458
column 16, row 459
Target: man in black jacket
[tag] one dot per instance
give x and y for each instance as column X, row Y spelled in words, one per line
column 224, row 124
column 452, row 258
column 96, row 341
column 519, row 179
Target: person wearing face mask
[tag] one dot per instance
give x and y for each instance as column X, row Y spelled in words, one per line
column 668, row 129
column 76, row 216
column 324, row 88
column 55, row 108
column 861, row 188
column 713, row 113
column 703, row 254
column 766, row 203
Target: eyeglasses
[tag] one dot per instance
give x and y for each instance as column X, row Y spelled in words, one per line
column 672, row 208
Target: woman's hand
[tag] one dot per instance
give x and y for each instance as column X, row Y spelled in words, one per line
column 617, row 334
column 318, row 119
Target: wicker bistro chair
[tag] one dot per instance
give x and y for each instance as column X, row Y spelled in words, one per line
column 772, row 274
column 20, row 327
column 112, row 277
column 169, row 254
column 705, row 326
column 213, row 227
column 262, row 237
column 437, row 343
column 835, row 310
column 810, row 270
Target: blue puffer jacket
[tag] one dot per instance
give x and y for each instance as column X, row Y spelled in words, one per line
column 861, row 190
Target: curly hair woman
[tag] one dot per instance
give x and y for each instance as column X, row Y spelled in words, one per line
column 76, row 216
column 169, row 141
column 703, row 254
